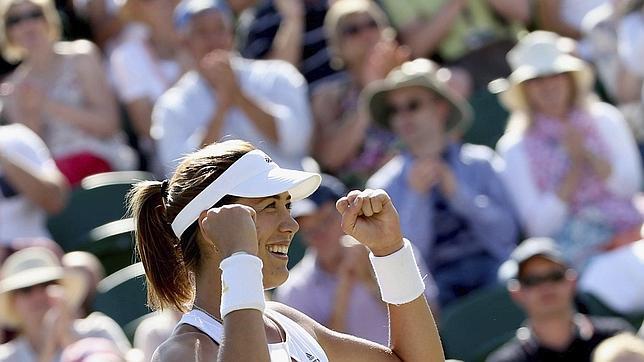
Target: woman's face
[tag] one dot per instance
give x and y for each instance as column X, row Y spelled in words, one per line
column 155, row 12
column 275, row 230
column 550, row 95
column 357, row 35
column 26, row 26
column 31, row 304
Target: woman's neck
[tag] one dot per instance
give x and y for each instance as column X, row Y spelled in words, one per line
column 208, row 286
column 40, row 61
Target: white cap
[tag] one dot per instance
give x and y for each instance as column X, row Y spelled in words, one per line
column 253, row 175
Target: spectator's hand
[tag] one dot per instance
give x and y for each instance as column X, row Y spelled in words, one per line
column 370, row 217
column 290, row 9
column 384, row 57
column 217, row 70
column 423, row 175
column 59, row 319
column 231, row 228
column 355, row 264
column 447, row 181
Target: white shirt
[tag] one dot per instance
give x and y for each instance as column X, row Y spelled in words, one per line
column 137, row 72
column 182, row 114
column 543, row 214
column 19, row 217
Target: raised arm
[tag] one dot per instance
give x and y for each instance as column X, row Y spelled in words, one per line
column 370, row 217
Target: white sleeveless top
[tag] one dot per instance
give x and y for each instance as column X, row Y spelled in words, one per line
column 299, row 346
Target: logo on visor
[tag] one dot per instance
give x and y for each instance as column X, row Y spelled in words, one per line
column 267, row 159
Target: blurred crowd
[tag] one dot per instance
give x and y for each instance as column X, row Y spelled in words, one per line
column 399, row 95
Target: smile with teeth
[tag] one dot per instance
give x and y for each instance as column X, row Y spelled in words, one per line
column 278, row 249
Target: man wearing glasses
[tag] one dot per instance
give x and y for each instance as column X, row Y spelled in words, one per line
column 450, row 199
column 543, row 285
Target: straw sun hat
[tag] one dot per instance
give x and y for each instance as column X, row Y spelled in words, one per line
column 539, row 54
column 418, row 73
column 33, row 266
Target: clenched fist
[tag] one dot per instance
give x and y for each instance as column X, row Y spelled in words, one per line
column 231, row 228
column 370, row 217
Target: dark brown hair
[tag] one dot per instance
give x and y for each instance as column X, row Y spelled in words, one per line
column 170, row 262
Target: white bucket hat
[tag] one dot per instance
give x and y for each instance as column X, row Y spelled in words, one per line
column 422, row 73
column 33, row 266
column 539, row 54
column 252, row 175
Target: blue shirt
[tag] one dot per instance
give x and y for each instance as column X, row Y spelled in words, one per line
column 480, row 199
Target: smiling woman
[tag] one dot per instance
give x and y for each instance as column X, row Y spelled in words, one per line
column 216, row 235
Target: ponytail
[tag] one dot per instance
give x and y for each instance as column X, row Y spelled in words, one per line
column 168, row 278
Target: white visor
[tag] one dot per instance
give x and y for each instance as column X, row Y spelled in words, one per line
column 253, row 175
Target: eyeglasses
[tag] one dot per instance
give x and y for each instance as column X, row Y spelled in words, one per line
column 13, row 20
column 411, row 106
column 554, row 276
column 31, row 288
column 350, row 30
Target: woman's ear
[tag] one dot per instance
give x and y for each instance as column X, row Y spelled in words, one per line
column 201, row 236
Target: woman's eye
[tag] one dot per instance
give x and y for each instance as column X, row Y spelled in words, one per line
column 269, row 206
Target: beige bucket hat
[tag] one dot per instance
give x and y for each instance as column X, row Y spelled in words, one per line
column 539, row 54
column 417, row 73
column 33, row 266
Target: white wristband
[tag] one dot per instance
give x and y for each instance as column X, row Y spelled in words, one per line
column 242, row 286
column 398, row 275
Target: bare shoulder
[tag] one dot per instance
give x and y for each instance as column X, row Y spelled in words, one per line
column 186, row 344
column 296, row 316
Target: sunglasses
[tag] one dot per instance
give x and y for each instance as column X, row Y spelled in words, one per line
column 554, row 276
column 411, row 106
column 356, row 28
column 13, row 20
column 31, row 288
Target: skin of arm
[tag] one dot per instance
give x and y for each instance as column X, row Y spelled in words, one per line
column 100, row 117
column 518, row 10
column 370, row 217
column 549, row 18
column 140, row 113
column 425, row 36
column 287, row 44
column 46, row 188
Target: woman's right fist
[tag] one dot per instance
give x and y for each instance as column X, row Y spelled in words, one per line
column 231, row 228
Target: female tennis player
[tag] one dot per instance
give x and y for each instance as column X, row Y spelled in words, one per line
column 216, row 235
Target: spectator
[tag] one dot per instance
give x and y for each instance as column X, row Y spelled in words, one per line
column 572, row 166
column 610, row 38
column 39, row 298
column 620, row 348
column 333, row 283
column 347, row 143
column 543, row 285
column 616, row 46
column 264, row 102
column 146, row 61
column 103, row 20
column 31, row 186
column 291, row 30
column 450, row 199
column 471, row 34
column 564, row 17
column 60, row 91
